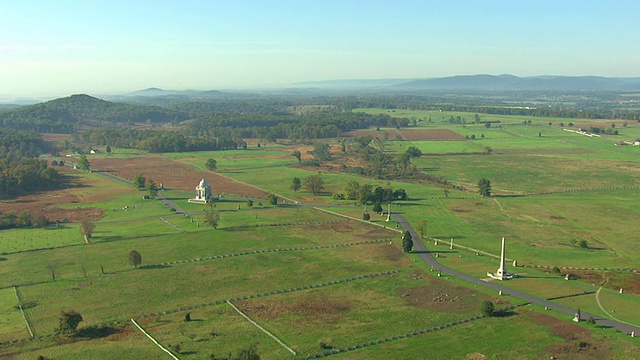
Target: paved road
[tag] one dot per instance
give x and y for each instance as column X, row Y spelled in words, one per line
column 160, row 195
column 426, row 256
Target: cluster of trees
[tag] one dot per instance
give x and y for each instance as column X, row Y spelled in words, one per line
column 283, row 125
column 22, row 219
column 15, row 145
column 158, row 141
column 142, row 183
column 26, row 175
column 366, row 193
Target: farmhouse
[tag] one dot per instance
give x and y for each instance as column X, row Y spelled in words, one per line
column 203, row 193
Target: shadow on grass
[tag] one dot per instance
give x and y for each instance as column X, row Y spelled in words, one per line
column 504, row 313
column 154, row 266
column 572, row 295
column 3, row 259
column 437, row 251
column 96, row 332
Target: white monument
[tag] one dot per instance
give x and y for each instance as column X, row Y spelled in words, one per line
column 203, row 193
column 501, row 273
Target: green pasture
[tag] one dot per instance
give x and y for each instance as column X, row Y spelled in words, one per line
column 511, row 174
column 147, row 290
column 11, row 323
column 15, row 240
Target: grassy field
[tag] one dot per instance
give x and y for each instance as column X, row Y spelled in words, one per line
column 321, row 282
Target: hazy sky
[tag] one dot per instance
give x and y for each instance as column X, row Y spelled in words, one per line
column 63, row 47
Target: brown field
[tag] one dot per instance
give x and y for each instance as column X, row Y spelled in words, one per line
column 46, row 203
column 173, row 175
column 577, row 341
column 430, row 134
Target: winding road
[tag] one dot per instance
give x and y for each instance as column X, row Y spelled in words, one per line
column 426, row 256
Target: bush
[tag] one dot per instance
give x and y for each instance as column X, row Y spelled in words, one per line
column 487, row 308
column 366, row 216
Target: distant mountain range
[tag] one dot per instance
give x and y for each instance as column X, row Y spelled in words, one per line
column 488, row 83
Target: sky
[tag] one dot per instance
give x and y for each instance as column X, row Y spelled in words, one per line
column 64, row 47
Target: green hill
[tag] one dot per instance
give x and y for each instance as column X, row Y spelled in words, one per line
column 67, row 114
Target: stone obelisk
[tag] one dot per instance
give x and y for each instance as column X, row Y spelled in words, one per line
column 502, row 270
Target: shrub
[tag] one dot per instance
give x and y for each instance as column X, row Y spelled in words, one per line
column 366, row 216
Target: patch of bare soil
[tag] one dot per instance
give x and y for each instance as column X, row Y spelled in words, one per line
column 577, row 344
column 314, row 308
column 173, row 175
column 46, row 202
column 440, row 296
column 430, row 134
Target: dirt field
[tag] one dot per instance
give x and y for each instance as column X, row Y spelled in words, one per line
column 173, row 175
column 431, row 134
column 46, row 203
column 577, row 344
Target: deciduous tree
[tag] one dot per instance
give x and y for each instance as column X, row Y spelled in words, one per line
column 135, row 258
column 314, row 184
column 212, row 218
column 86, row 229
column 139, row 181
column 484, row 187
column 211, row 164
column 297, row 155
column 68, row 322
column 296, row 184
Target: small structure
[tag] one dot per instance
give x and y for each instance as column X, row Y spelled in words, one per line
column 501, row 273
column 578, row 316
column 203, row 193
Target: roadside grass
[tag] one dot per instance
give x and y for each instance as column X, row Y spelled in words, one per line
column 625, row 306
column 127, row 207
column 16, row 240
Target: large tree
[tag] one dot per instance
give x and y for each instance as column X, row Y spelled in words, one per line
column 68, row 322
column 296, row 184
column 484, row 187
column 212, row 218
column 297, row 155
column 422, row 227
column 273, row 199
column 152, row 188
column 135, row 258
column 83, row 163
column 86, row 229
column 351, row 190
column 407, row 243
column 211, row 164
column 139, row 181
column 314, row 184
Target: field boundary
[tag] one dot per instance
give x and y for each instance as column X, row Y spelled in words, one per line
column 253, row 252
column 153, row 340
column 260, row 327
column 354, row 218
column 269, row 293
column 394, row 338
column 24, row 316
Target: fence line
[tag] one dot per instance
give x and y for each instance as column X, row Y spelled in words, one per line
column 24, row 316
column 153, row 340
column 260, row 327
